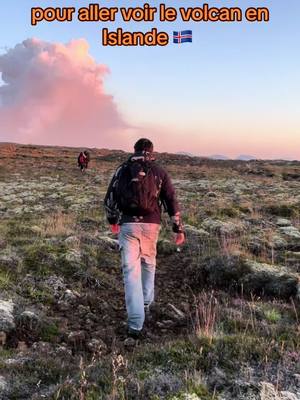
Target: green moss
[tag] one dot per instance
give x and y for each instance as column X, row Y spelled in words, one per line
column 40, row 258
column 165, row 247
column 45, row 370
column 194, row 392
column 36, row 295
column 94, row 394
column 174, row 356
column 202, row 392
column 283, row 210
column 234, row 326
column 230, row 212
column 144, row 374
column 107, row 258
column 227, row 351
column 272, row 315
column 193, row 220
column 288, row 338
column 49, row 332
column 49, row 370
column 19, row 227
column 44, row 259
column 4, row 354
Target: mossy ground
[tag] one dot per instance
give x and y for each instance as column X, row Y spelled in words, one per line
column 53, row 224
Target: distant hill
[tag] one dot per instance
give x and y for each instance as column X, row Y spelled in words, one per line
column 246, row 157
column 36, row 151
column 219, row 157
column 185, row 153
column 241, row 157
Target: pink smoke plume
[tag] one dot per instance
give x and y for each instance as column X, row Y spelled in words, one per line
column 53, row 94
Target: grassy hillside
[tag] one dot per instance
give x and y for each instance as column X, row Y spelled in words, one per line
column 226, row 323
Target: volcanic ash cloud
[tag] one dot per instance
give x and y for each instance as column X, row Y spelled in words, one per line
column 53, row 94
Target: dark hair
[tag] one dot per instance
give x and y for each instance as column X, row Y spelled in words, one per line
column 144, row 145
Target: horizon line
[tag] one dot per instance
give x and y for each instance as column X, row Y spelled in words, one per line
column 221, row 157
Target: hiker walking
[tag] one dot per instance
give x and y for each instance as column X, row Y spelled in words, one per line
column 133, row 202
column 83, row 160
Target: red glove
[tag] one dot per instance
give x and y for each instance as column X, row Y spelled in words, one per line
column 179, row 238
column 115, row 228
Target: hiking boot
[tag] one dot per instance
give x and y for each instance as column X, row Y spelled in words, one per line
column 130, row 343
column 134, row 333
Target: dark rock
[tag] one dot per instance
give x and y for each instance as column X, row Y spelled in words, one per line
column 56, row 285
column 83, row 310
column 174, row 313
column 129, row 342
column 217, row 379
column 63, row 306
column 3, row 244
column 9, row 261
column 42, row 347
column 211, row 194
column 28, row 321
column 77, row 339
column 70, row 296
column 97, row 346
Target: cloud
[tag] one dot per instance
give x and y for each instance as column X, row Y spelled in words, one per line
column 53, row 94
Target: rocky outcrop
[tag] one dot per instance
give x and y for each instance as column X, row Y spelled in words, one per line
column 7, row 322
column 247, row 275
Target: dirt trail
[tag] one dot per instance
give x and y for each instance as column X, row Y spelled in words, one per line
column 108, row 305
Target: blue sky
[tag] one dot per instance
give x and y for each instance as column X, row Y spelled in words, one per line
column 235, row 89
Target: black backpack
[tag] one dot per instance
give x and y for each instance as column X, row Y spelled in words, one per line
column 137, row 189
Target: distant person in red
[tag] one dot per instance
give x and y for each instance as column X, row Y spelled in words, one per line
column 83, row 160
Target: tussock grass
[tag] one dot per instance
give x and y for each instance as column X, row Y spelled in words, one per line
column 58, row 224
column 5, row 280
column 206, row 314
